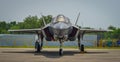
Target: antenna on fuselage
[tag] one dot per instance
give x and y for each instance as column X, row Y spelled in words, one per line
column 43, row 19
column 77, row 18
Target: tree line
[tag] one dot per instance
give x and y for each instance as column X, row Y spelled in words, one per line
column 115, row 34
column 35, row 22
column 28, row 23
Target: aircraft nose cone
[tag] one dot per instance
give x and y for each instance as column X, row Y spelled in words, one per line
column 61, row 26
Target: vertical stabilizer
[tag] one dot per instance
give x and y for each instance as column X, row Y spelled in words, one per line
column 43, row 19
column 77, row 18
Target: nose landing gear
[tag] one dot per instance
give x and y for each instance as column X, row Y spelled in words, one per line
column 61, row 50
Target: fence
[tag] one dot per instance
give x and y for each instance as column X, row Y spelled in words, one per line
column 29, row 40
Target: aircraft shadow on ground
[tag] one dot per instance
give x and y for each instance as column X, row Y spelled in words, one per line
column 53, row 54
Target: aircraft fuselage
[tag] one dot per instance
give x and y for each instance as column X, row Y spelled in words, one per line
column 60, row 28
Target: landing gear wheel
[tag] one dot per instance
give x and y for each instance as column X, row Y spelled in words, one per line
column 60, row 52
column 37, row 47
column 82, row 48
column 79, row 47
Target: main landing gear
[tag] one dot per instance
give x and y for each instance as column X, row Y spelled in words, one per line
column 81, row 46
column 39, row 44
column 38, row 47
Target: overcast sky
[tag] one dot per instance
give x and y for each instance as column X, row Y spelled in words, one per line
column 93, row 13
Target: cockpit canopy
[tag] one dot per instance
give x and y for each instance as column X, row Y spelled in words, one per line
column 60, row 18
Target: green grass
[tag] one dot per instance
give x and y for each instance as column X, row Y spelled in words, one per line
column 33, row 46
column 74, row 47
column 16, row 46
column 102, row 47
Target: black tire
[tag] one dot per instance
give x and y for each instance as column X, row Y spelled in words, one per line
column 60, row 52
column 82, row 48
column 37, row 47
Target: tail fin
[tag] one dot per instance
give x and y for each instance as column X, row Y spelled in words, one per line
column 43, row 19
column 77, row 18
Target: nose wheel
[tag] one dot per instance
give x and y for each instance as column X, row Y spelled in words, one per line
column 61, row 52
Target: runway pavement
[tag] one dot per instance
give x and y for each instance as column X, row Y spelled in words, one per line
column 51, row 55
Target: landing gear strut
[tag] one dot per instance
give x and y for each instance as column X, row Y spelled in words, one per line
column 81, row 46
column 39, row 43
column 61, row 50
column 37, row 46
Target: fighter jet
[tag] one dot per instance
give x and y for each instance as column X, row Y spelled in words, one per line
column 59, row 29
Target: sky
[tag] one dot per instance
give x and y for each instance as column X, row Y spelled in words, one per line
column 93, row 13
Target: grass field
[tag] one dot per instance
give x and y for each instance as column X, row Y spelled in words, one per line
column 75, row 47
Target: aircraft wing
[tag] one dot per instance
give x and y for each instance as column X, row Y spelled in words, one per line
column 93, row 30
column 26, row 30
column 87, row 31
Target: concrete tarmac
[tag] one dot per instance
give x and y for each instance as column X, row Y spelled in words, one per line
column 51, row 55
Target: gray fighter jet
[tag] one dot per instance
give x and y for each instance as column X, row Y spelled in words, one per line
column 59, row 29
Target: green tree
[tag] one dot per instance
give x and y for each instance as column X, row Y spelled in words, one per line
column 3, row 26
column 115, row 34
column 28, row 23
column 47, row 20
column 31, row 22
column 111, row 27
